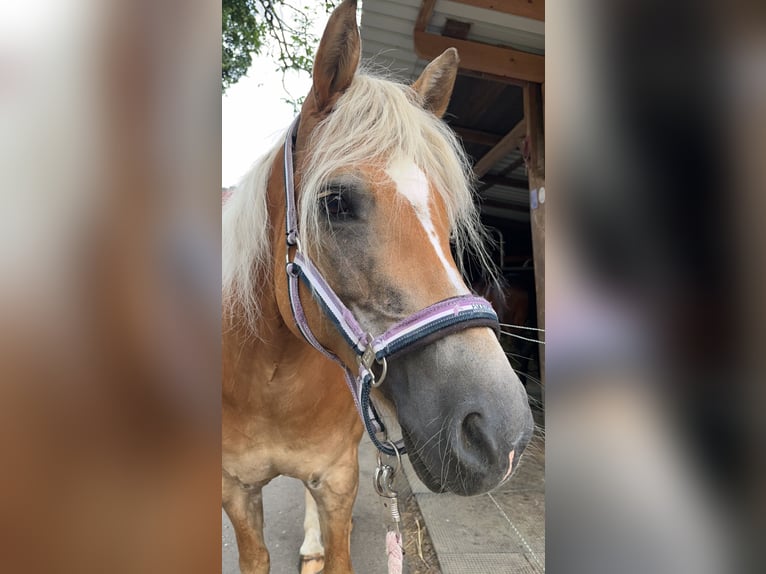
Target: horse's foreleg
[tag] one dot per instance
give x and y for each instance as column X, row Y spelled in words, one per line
column 335, row 494
column 312, row 551
column 244, row 506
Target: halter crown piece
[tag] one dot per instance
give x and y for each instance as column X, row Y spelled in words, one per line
column 433, row 322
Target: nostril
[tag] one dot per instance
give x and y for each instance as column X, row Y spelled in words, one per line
column 473, row 432
column 471, row 426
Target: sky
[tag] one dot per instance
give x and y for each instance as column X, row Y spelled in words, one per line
column 253, row 115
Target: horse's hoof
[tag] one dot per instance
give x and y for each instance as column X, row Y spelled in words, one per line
column 312, row 564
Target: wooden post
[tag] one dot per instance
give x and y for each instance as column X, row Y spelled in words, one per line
column 535, row 158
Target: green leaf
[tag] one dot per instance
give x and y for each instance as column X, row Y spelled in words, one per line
column 274, row 27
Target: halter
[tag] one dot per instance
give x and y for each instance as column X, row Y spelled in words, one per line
column 433, row 322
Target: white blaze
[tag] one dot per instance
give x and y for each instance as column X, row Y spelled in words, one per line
column 411, row 183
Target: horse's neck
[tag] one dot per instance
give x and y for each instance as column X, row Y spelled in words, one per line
column 279, row 387
column 270, row 363
column 274, row 363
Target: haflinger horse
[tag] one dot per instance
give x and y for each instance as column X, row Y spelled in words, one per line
column 342, row 232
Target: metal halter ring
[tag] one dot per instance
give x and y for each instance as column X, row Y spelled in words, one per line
column 377, row 381
column 297, row 246
column 396, row 451
column 367, row 358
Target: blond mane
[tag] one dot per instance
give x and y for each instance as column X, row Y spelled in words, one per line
column 374, row 120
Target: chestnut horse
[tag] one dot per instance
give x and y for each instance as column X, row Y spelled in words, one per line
column 382, row 189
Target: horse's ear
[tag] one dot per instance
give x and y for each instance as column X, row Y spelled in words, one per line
column 337, row 56
column 436, row 82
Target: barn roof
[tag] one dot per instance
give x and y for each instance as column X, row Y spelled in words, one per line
column 486, row 107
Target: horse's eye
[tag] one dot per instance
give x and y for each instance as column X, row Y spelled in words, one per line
column 336, row 205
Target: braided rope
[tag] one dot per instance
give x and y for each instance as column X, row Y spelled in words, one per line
column 395, row 552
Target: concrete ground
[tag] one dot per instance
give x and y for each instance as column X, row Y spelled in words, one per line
column 499, row 533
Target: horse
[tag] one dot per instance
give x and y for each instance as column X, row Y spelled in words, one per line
column 363, row 198
column 513, row 298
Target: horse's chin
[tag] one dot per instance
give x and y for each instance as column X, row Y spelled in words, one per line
column 421, row 470
column 468, row 486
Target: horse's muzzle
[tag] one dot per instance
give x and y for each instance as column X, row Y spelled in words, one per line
column 473, row 457
column 462, row 411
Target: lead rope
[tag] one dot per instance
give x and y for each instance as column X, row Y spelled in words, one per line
column 395, row 552
column 383, row 481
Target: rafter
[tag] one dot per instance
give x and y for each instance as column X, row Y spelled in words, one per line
column 502, row 148
column 477, row 136
column 495, row 60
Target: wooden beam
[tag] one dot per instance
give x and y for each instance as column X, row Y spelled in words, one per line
column 476, row 136
column 534, row 9
column 491, row 77
column 503, row 148
column 495, row 60
column 426, row 10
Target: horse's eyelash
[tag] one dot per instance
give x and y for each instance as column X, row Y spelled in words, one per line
column 336, row 189
column 329, row 192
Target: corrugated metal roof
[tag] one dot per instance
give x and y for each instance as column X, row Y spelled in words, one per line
column 387, row 27
column 505, row 213
column 492, row 27
column 505, row 194
column 519, row 173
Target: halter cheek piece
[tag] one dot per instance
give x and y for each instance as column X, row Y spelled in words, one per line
column 433, row 322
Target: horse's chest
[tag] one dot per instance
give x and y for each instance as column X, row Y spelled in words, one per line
column 250, row 469
column 258, row 463
column 293, row 419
